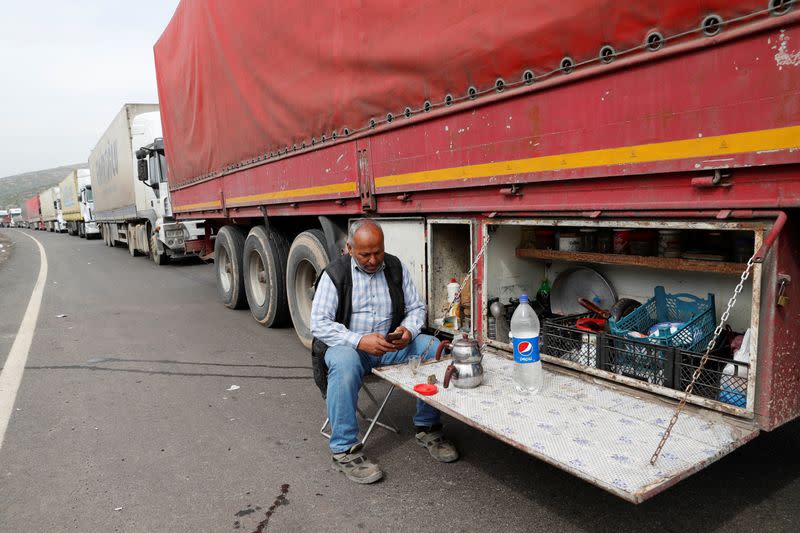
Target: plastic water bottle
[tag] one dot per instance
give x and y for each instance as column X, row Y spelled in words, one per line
column 525, row 338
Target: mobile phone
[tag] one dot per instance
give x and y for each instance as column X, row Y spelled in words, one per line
column 396, row 336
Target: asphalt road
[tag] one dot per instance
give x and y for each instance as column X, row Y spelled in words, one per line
column 124, row 422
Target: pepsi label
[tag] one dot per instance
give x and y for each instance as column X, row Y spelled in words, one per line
column 526, row 350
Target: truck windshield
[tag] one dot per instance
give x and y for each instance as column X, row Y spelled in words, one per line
column 87, row 194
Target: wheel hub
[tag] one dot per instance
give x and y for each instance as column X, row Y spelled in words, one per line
column 258, row 278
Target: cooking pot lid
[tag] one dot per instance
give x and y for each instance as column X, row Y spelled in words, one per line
column 464, row 342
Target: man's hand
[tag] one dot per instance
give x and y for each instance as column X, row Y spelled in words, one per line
column 403, row 341
column 375, row 344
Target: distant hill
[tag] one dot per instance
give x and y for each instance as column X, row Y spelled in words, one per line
column 15, row 189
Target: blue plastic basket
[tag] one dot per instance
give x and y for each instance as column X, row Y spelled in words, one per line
column 698, row 316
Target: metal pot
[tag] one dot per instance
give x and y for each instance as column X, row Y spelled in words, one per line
column 465, row 371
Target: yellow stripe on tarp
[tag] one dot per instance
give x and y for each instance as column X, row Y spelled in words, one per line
column 195, row 207
column 293, row 193
column 735, row 143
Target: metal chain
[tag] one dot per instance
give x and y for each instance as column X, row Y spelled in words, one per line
column 464, row 281
column 696, row 375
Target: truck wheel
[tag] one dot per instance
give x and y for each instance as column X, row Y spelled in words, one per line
column 228, row 254
column 308, row 256
column 159, row 258
column 264, row 267
column 105, row 232
column 82, row 230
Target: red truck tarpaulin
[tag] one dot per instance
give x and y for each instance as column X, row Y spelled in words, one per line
column 238, row 80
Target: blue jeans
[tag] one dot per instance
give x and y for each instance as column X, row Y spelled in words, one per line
column 346, row 370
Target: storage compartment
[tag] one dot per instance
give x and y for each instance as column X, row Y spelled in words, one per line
column 697, row 264
column 451, row 239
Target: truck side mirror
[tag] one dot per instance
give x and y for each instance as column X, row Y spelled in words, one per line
column 142, row 168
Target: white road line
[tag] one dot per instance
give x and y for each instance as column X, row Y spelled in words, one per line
column 11, row 376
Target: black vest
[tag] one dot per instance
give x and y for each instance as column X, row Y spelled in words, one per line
column 341, row 274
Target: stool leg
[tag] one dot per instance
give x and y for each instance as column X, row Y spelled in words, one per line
column 392, row 425
column 377, row 415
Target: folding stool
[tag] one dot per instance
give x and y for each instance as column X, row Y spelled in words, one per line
column 374, row 420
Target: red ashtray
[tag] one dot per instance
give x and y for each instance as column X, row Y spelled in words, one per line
column 426, row 389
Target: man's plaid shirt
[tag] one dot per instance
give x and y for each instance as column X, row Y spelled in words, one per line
column 372, row 308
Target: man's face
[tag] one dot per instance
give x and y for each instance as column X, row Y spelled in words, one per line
column 367, row 248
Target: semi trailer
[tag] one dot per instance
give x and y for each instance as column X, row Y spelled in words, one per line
column 655, row 148
column 134, row 212
column 32, row 214
column 52, row 213
column 78, row 205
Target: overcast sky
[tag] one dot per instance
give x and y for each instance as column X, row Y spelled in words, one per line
column 66, row 68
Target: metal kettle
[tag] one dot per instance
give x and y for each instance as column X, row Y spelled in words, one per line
column 466, row 371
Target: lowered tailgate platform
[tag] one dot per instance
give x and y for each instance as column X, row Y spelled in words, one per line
column 601, row 432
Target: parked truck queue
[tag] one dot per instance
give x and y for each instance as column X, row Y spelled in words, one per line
column 640, row 183
column 110, row 201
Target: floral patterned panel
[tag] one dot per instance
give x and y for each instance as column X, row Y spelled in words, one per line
column 600, row 434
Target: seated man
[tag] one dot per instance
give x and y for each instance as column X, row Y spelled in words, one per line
column 361, row 298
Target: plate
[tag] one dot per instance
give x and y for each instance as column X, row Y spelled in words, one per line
column 580, row 282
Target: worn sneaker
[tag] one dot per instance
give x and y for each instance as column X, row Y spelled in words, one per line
column 356, row 467
column 440, row 448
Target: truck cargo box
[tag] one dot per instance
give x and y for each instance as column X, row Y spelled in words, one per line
column 118, row 195
column 31, row 210
column 47, row 203
column 282, row 75
column 70, row 207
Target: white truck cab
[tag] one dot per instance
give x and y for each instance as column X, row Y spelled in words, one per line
column 152, row 171
column 131, row 194
column 89, row 227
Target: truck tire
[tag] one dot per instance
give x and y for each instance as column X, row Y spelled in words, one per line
column 264, row 267
column 82, row 230
column 159, row 258
column 228, row 255
column 104, row 231
column 308, row 256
